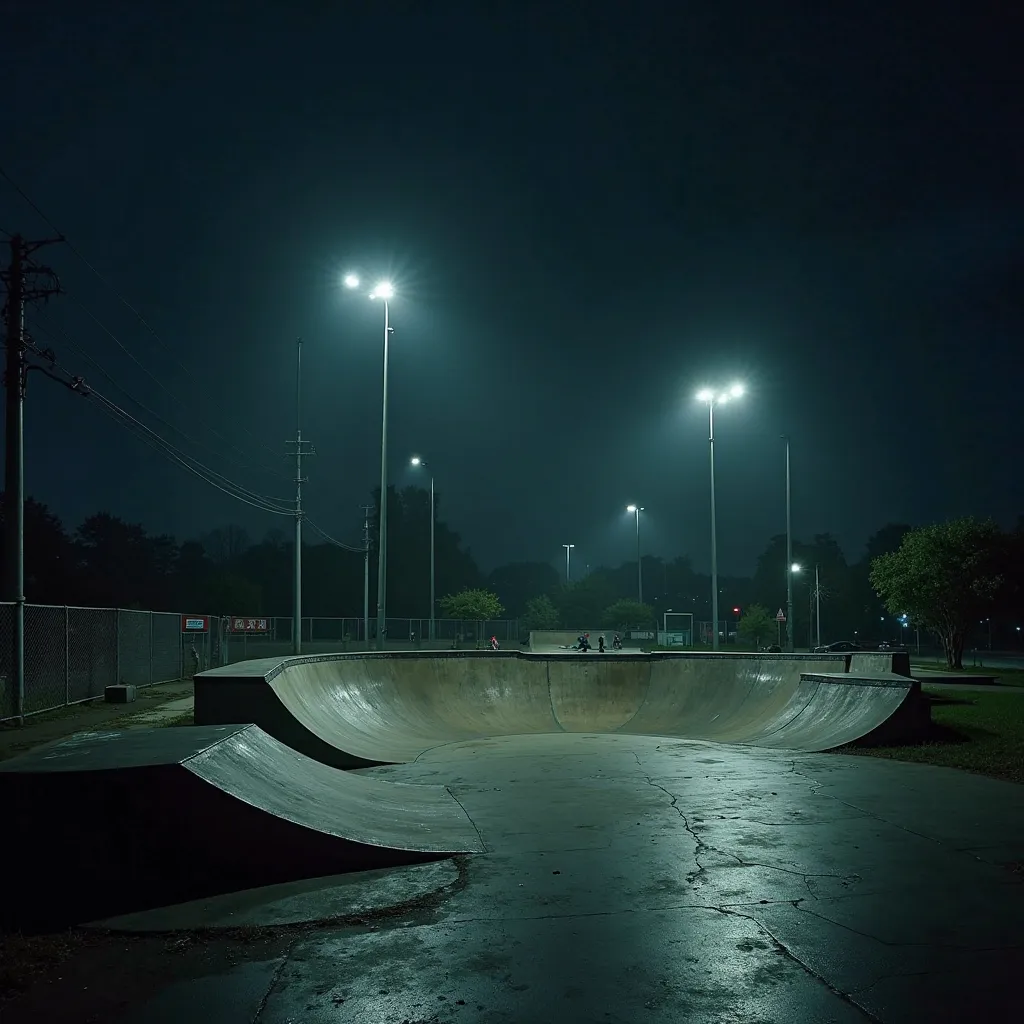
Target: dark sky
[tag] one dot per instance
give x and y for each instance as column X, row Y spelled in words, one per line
column 588, row 211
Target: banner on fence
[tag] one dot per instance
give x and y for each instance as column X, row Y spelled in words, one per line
column 239, row 624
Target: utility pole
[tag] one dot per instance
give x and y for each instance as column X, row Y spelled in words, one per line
column 817, row 605
column 22, row 286
column 367, row 509
column 303, row 449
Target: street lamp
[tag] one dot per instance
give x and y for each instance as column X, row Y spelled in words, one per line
column 813, row 604
column 713, row 398
column 417, row 461
column 789, row 554
column 636, row 510
column 384, row 292
column 568, row 548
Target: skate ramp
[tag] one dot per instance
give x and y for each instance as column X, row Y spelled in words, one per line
column 546, row 640
column 157, row 816
column 359, row 710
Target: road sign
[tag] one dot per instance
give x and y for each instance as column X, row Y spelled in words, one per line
column 780, row 616
column 195, row 623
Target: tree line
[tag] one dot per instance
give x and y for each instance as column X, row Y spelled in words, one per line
column 107, row 562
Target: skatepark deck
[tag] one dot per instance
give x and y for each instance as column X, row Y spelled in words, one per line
column 154, row 816
column 358, row 710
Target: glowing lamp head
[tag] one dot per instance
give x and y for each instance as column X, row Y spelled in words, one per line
column 383, row 291
column 416, row 461
column 351, row 280
column 736, row 391
column 705, row 395
column 795, row 567
column 631, row 508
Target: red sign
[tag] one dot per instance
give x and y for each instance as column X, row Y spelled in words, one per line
column 195, row 623
column 780, row 616
column 239, row 624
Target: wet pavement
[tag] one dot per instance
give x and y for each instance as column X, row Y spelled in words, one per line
column 636, row 879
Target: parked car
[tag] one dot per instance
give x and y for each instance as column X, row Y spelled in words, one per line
column 838, row 647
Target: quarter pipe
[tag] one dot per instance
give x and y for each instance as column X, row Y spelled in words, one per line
column 357, row 710
column 107, row 823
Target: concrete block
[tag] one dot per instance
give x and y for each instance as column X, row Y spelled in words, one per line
column 120, row 693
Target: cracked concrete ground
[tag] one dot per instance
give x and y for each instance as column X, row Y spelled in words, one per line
column 636, row 879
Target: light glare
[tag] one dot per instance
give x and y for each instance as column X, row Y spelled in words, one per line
column 794, row 567
column 351, row 280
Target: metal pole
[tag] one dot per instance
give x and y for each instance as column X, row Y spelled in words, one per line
column 382, row 543
column 714, row 539
column 432, row 597
column 297, row 585
column 567, row 547
column 67, row 655
column 14, row 468
column 817, row 606
column 789, row 557
column 366, row 573
column 639, row 564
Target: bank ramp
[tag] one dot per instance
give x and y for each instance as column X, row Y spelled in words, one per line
column 364, row 709
column 155, row 816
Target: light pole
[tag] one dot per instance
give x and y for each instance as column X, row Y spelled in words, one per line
column 568, row 548
column 384, row 292
column 636, row 510
column 713, row 398
column 789, row 554
column 817, row 606
column 417, row 461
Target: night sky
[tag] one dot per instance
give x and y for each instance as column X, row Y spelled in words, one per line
column 588, row 211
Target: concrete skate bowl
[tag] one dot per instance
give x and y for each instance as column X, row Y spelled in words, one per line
column 359, row 710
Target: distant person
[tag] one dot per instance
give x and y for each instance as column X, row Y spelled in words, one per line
column 494, row 643
column 616, row 643
column 600, row 644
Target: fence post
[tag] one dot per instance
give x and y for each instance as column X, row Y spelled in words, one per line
column 117, row 645
column 151, row 648
column 67, row 656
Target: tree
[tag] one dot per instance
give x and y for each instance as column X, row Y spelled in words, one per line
column 519, row 582
column 756, row 625
column 226, row 543
column 472, row 605
column 124, row 566
column 627, row 614
column 540, row 613
column 50, row 568
column 944, row 577
column 582, row 603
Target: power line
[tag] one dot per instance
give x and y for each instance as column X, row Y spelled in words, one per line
column 66, row 339
column 161, row 444
column 120, row 297
column 331, row 540
column 163, row 387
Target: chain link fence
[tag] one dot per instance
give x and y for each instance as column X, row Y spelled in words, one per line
column 72, row 654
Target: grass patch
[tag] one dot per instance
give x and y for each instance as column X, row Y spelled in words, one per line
column 1007, row 676
column 973, row 731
